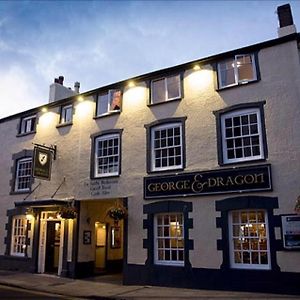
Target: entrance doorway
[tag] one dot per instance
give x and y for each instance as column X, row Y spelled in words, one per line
column 100, row 247
column 51, row 243
column 52, row 246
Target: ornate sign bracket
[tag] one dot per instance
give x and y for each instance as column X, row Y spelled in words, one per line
column 52, row 148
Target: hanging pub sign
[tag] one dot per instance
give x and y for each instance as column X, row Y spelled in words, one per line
column 42, row 162
column 233, row 180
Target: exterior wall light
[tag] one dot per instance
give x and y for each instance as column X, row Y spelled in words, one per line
column 131, row 84
column 80, row 99
column 44, row 109
column 196, row 68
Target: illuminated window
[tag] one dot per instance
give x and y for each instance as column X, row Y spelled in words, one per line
column 169, row 239
column 107, row 155
column 238, row 70
column 109, row 102
column 19, row 228
column 166, row 147
column 66, row 114
column 242, row 138
column 249, row 241
column 28, row 124
column 23, row 175
column 165, row 89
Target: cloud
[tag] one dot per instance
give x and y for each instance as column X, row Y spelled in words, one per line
column 19, row 91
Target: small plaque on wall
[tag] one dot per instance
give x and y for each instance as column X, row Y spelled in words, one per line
column 87, row 237
column 291, row 231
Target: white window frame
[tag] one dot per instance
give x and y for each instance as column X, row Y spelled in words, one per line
column 235, row 67
column 107, row 137
column 167, row 98
column 19, row 235
column 64, row 114
column 17, row 177
column 156, row 238
column 163, row 127
column 239, row 113
column 27, row 125
column 231, row 245
column 109, row 95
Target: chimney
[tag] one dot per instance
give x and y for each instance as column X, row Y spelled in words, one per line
column 58, row 91
column 286, row 23
column 76, row 87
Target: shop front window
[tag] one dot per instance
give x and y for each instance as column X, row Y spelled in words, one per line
column 169, row 239
column 249, row 241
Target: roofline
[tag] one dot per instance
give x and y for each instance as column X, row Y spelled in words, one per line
column 147, row 76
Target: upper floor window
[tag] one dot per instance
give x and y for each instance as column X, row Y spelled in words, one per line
column 238, row 70
column 165, row 89
column 109, row 102
column 166, row 147
column 107, row 155
column 242, row 137
column 28, row 124
column 66, row 115
column 249, row 241
column 169, row 239
column 23, row 175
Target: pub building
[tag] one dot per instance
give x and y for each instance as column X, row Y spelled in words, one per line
column 187, row 176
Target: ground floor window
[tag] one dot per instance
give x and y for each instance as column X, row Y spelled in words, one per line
column 169, row 239
column 19, row 230
column 249, row 241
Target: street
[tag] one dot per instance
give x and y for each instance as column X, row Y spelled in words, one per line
column 20, row 294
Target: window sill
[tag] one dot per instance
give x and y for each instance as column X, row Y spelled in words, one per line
column 242, row 162
column 165, row 171
column 25, row 133
column 236, row 85
column 104, row 177
column 163, row 102
column 19, row 192
column 107, row 114
column 64, row 124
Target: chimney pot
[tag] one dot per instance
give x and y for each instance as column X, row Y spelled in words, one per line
column 76, row 87
column 61, row 80
column 285, row 15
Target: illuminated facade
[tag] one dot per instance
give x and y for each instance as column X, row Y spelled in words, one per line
column 187, row 176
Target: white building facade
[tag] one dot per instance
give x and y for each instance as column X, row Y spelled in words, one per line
column 203, row 159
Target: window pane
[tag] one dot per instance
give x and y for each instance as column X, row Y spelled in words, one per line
column 249, row 242
column 102, row 104
column 244, row 67
column 226, row 72
column 173, row 87
column 169, row 247
column 166, row 146
column 158, row 91
column 107, row 155
column 243, row 125
column 115, row 100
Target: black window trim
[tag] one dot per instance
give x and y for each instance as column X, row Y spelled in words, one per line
column 237, row 107
column 169, row 206
column 16, row 157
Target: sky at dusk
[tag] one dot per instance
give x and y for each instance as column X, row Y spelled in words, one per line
column 102, row 42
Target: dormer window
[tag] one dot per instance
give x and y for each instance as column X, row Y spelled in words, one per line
column 28, row 124
column 240, row 69
column 109, row 102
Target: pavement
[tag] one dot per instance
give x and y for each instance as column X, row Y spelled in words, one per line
column 106, row 287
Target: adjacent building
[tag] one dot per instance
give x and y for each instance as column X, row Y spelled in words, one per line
column 187, row 176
